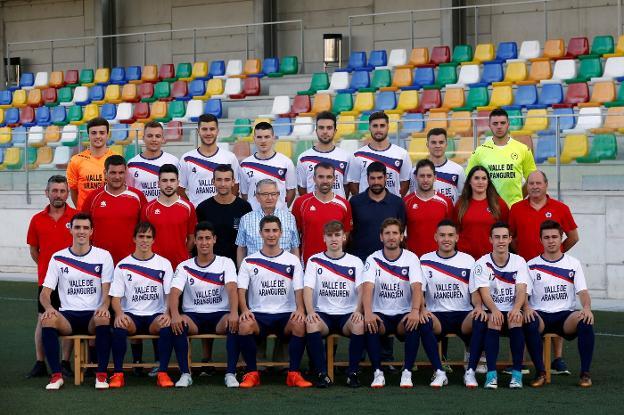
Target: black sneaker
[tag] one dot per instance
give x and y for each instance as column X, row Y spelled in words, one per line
column 353, row 381
column 39, row 370
column 323, row 381
column 559, row 367
column 207, row 370
column 138, row 371
column 66, row 369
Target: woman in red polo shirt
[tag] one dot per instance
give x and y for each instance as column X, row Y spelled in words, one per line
column 476, row 210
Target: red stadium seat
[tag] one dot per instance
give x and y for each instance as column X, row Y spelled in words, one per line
column 440, row 54
column 301, row 103
column 173, row 131
column 179, row 91
column 483, row 124
column 166, row 72
column 27, row 116
column 49, row 97
column 141, row 111
column 71, row 77
column 577, row 46
column 146, row 92
column 576, row 94
column 251, row 88
column 431, row 98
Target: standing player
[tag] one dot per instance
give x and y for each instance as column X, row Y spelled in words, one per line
column 508, row 161
column 173, row 218
column 84, row 170
column 448, row 302
column 270, row 296
column 143, row 168
column 197, row 166
column 83, row 274
column 48, row 233
column 556, row 280
column 450, row 176
column 207, row 284
column 115, row 209
column 313, row 210
column 395, row 158
column 392, row 299
column 331, row 284
column 424, row 209
column 502, row 279
column 138, row 298
column 266, row 163
column 324, row 151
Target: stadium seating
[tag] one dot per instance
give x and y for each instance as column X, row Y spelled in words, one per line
column 431, row 98
column 199, row 72
column 454, row 97
column 149, row 73
column 408, row 101
column 234, row 67
column 56, row 79
column 184, row 71
column 492, row 72
column 440, row 54
column 402, row 78
column 322, row 102
column 339, row 81
column 462, row 53
column 357, row 60
column 577, row 46
column 133, row 74
column 342, row 102
column 506, row 51
column 102, row 76
column 468, row 74
column 364, row 101
column 418, row 56
column 319, row 82
column 574, row 146
column 118, row 76
column 516, row 71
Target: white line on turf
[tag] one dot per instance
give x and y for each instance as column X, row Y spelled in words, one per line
column 17, row 299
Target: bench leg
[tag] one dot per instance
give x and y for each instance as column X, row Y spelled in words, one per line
column 547, row 348
column 77, row 364
column 330, row 356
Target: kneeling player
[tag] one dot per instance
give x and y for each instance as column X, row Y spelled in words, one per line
column 83, row 274
column 448, row 307
column 502, row 279
column 330, row 294
column 210, row 303
column 271, row 282
column 556, row 279
column 138, row 297
column 392, row 298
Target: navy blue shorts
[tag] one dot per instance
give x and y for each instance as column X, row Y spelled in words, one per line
column 451, row 322
column 335, row 322
column 79, row 320
column 272, row 323
column 142, row 323
column 553, row 323
column 206, row 322
column 391, row 323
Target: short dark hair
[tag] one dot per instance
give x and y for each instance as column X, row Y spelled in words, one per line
column 207, row 118
column 389, row 222
column 81, row 216
column 550, row 224
column 500, row 225
column 376, row 167
column 333, row 226
column 57, row 178
column 378, row 115
column 326, row 115
column 97, row 122
column 436, row 131
column 424, row 163
column 263, row 125
column 323, row 165
column 114, row 160
column 447, row 222
column 143, row 227
column 498, row 112
column 224, row 168
column 270, row 219
column 204, row 225
column 168, row 168
column 153, row 124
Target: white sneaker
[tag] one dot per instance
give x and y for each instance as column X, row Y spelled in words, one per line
column 55, row 383
column 406, row 379
column 470, row 379
column 185, row 381
column 466, row 359
column 101, row 381
column 482, row 366
column 230, row 380
column 439, row 379
column 378, row 379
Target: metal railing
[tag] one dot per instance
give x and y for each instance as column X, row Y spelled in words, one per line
column 98, row 38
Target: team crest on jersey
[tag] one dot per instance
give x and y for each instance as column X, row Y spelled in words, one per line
column 67, row 225
column 350, row 271
column 463, row 273
column 288, row 269
column 342, row 165
column 454, row 177
column 157, row 212
column 97, row 268
column 548, row 215
column 404, row 271
column 280, row 172
column 103, row 203
column 312, row 209
column 478, row 270
column 397, row 163
column 514, row 156
column 221, row 277
column 415, row 206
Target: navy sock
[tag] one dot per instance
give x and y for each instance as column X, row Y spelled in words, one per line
column 102, row 347
column 50, row 339
column 296, row 347
column 585, row 344
column 412, row 338
column 430, row 344
column 165, row 345
column 137, row 351
column 156, row 351
column 317, row 351
column 491, row 348
column 248, row 348
column 534, row 344
column 444, row 344
column 516, row 343
column 233, row 350
column 477, row 339
column 180, row 345
column 356, row 349
column 373, row 346
column 119, row 347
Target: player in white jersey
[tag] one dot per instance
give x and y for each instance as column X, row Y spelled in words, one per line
column 395, row 158
column 324, row 151
column 207, row 286
column 270, row 297
column 83, row 274
column 448, row 302
column 197, row 166
column 140, row 284
column 450, row 176
column 392, row 297
column 143, row 168
column 266, row 163
column 331, row 296
column 502, row 279
column 557, row 279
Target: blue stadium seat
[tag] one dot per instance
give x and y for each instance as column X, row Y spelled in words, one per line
column 423, row 76
column 546, row 147
column 282, row 127
column 550, row 94
column 27, row 80
column 525, row 95
column 269, row 66
column 377, row 58
column 492, row 72
column 385, row 100
column 357, row 60
column 6, row 97
column 566, row 120
column 133, row 73
column 43, row 116
column 217, row 68
column 96, row 93
column 108, row 111
column 19, row 136
column 197, row 88
column 412, row 123
column 118, row 75
column 59, row 115
column 119, row 132
column 213, row 106
column 11, row 116
column 506, row 50
column 359, row 79
column 1, row 155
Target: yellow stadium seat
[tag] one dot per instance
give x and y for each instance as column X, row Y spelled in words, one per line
column 540, row 70
column 516, row 71
column 393, row 120
column 574, row 146
column 52, row 135
column 536, row 120
column 437, row 119
column 402, row 77
column 417, row 149
column 45, row 155
column 454, row 97
column 554, row 48
column 345, row 125
column 158, row 110
column 13, row 158
column 214, row 87
column 34, row 98
column 484, row 52
column 102, row 75
column 408, row 100
column 502, row 94
column 364, row 101
column 113, row 94
column 322, row 102
column 252, row 66
column 460, row 123
column 129, row 93
column 19, row 98
column 619, row 49
column 135, row 131
column 463, row 149
column 90, row 111
column 117, row 149
column 149, row 73
column 285, row 147
column 56, row 79
column 419, row 56
column 5, row 135
column 200, row 70
column 1, row 117
column 603, row 91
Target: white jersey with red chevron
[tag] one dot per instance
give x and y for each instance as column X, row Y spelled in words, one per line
column 311, row 157
column 501, row 280
column 143, row 173
column 446, row 281
column 396, row 159
column 278, row 168
column 555, row 283
column 450, row 178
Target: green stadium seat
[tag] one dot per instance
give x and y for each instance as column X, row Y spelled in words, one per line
column 242, row 128
column 603, row 147
column 289, row 65
column 162, row 91
column 342, row 102
column 87, row 77
column 65, row 95
column 130, row 151
column 619, row 100
column 477, row 97
column 74, row 114
column 184, row 70
column 300, row 147
column 447, row 74
column 514, row 123
column 462, row 53
column 381, row 78
column 590, row 67
column 177, row 109
column 602, row 45
column 319, row 82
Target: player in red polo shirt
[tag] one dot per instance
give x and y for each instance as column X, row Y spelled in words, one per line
column 424, row 209
column 313, row 210
column 115, row 209
column 173, row 217
column 48, row 233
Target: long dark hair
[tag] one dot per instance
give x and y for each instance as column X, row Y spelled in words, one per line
column 466, row 196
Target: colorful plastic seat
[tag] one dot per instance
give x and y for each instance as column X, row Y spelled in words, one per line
column 27, row 116
column 460, row 124
column 179, row 91
column 440, row 54
column 516, row 71
column 149, row 73
column 364, row 101
column 577, row 46
column 546, row 148
column 129, row 93
column 408, row 101
column 184, row 70
column 431, row 98
column 112, row 94
column 124, row 113
column 468, row 74
column 289, row 65
column 145, row 92
column 492, row 72
column 462, row 53
column 540, row 70
column 43, row 116
column 484, row 52
column 12, row 117
column 217, row 68
column 554, row 48
column 87, row 77
column 6, row 98
column 454, row 96
column 96, row 94
column 575, row 94
column 506, row 50
column 590, row 67
column 102, row 76
column 574, row 146
column 118, row 76
column 377, row 58
column 342, row 102
column 57, row 80
column 477, row 97
column 564, row 69
column 19, row 98
column 34, row 98
column 59, row 115
column 215, row 86
column 109, row 112
column 72, row 78
column 357, row 60
column 300, row 104
column 41, row 80
column 134, row 74
column 602, row 45
column 200, row 71
column 385, row 100
column 402, row 78
column 525, row 95
column 322, row 102
column 213, row 106
column 360, row 79
column 447, row 74
column 603, row 147
column 27, row 80
column 166, row 72
column 602, row 92
column 319, row 81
